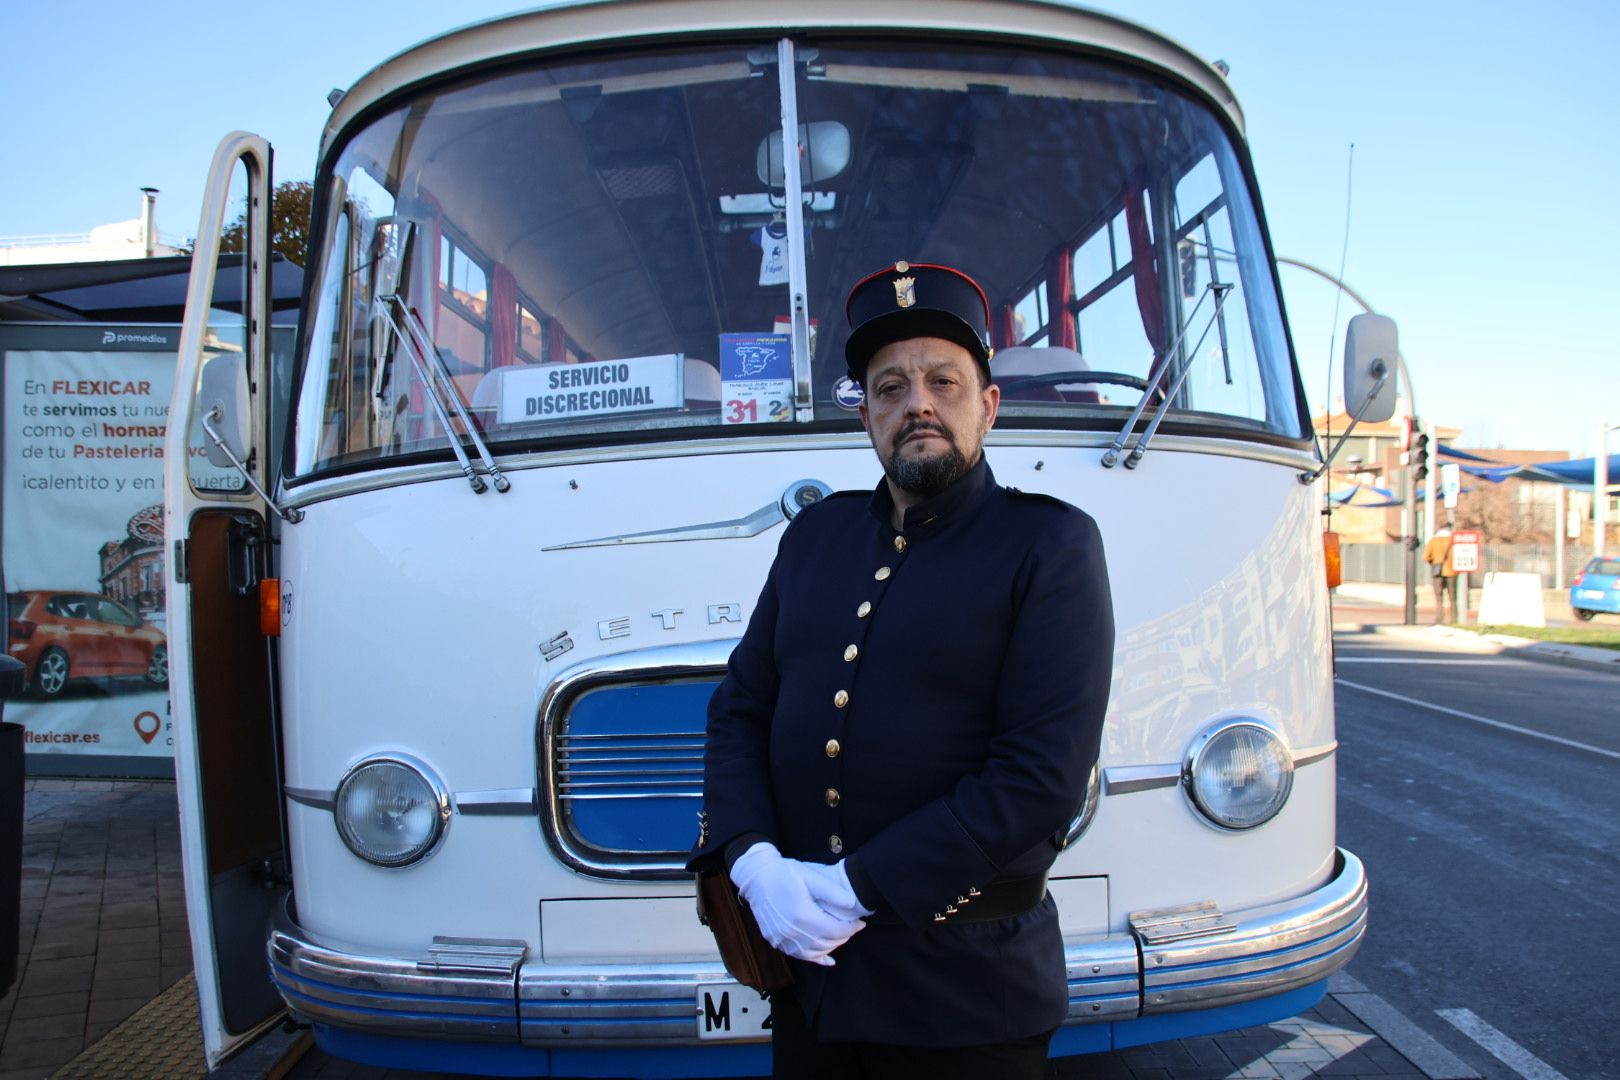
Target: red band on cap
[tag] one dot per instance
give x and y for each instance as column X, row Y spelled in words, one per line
column 910, row 266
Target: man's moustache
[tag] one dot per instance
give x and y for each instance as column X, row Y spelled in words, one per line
column 912, row 429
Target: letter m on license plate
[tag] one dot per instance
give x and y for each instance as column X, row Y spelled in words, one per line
column 730, row 1010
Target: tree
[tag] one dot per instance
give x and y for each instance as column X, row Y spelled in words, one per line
column 289, row 223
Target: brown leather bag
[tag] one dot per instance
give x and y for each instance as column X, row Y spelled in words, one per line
column 747, row 955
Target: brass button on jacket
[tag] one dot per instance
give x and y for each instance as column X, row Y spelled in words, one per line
column 850, row 653
column 864, row 610
column 841, row 698
column 833, row 747
column 883, row 573
column 899, row 543
column 835, row 845
column 833, row 798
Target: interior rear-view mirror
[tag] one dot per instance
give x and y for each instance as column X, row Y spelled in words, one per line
column 1371, row 360
column 826, row 153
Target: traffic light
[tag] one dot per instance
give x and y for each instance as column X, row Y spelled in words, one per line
column 1420, row 456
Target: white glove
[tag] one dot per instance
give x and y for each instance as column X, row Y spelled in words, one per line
column 778, row 892
column 830, row 888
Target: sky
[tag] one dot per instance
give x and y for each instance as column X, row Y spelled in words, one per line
column 1484, row 136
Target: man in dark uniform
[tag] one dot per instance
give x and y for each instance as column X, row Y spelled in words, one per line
column 907, row 727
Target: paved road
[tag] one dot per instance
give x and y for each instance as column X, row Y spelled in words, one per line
column 1492, row 852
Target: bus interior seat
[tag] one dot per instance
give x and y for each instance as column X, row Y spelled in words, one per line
column 701, row 384
column 1033, row 360
column 486, row 392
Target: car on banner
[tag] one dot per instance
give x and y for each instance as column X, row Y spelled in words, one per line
column 1596, row 589
column 61, row 635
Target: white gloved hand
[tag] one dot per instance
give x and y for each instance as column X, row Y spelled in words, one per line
column 829, row 887
column 778, row 893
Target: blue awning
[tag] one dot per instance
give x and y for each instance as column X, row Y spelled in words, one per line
column 1577, row 473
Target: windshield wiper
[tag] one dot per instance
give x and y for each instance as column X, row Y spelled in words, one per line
column 436, row 381
column 1161, row 366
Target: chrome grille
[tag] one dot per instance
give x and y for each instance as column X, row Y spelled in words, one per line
column 621, row 759
column 630, row 766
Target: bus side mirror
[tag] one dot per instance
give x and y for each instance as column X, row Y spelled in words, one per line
column 1371, row 360
column 222, row 406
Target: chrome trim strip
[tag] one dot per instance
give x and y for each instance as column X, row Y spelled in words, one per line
column 662, row 664
column 314, row 797
column 766, row 517
column 306, row 492
column 1124, row 779
column 497, row 802
column 1310, row 755
column 1271, row 950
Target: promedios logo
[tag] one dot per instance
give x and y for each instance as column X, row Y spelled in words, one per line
column 112, row 337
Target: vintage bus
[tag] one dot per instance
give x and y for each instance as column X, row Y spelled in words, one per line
column 570, row 356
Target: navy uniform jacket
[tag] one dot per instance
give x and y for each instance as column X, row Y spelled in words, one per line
column 928, row 705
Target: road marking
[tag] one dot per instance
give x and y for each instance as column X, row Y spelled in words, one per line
column 1390, row 1024
column 1501, row 1047
column 1482, row 719
column 1406, row 660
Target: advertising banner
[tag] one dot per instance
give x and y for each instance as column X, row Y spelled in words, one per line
column 85, row 411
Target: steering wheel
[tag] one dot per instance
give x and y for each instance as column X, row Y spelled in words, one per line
column 1059, row 378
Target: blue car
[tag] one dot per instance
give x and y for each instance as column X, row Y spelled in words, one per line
column 1596, row 588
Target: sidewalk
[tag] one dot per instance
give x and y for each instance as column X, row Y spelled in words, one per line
column 103, row 918
column 1377, row 606
column 104, row 986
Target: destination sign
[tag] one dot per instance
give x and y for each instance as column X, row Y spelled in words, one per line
column 566, row 391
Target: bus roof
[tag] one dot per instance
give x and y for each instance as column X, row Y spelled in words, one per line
column 573, row 23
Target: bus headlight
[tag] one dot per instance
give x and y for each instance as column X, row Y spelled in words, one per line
column 391, row 810
column 1238, row 773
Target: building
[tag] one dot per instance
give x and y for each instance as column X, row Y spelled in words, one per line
column 137, row 238
column 1372, row 460
column 132, row 568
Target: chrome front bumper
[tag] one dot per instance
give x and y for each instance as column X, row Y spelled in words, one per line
column 491, row 992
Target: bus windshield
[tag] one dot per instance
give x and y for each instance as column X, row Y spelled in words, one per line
column 597, row 251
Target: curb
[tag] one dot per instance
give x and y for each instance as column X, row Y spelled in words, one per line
column 1547, row 652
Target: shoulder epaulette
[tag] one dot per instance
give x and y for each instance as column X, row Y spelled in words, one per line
column 1037, row 496
column 847, row 494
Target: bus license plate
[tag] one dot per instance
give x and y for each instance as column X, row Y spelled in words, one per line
column 729, row 1010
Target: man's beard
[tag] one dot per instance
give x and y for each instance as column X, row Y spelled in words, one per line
column 926, row 476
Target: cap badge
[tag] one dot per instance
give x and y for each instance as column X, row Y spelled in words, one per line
column 905, row 291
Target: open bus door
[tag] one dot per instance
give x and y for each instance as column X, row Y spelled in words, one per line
column 227, row 767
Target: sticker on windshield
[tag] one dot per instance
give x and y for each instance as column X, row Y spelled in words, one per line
column 756, row 378
column 565, row 391
column 847, row 393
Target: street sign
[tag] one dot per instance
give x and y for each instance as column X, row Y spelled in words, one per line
column 1465, row 551
column 1450, row 483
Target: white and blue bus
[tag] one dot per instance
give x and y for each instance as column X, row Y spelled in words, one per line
column 570, row 356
